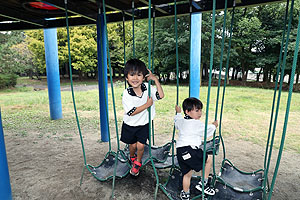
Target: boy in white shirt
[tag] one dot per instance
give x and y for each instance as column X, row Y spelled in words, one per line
column 189, row 154
column 135, row 100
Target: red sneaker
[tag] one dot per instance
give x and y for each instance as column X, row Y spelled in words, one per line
column 135, row 170
column 132, row 159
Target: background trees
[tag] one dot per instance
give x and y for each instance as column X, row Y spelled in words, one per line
column 256, row 42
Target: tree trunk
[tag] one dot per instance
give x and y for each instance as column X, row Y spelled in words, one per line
column 270, row 76
column 265, row 75
column 201, row 73
column 206, row 71
column 290, row 76
column 245, row 76
column 236, row 74
column 258, row 75
column 67, row 69
column 232, row 75
column 297, row 78
column 274, row 78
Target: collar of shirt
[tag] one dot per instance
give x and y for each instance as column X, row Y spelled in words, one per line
column 131, row 91
column 187, row 117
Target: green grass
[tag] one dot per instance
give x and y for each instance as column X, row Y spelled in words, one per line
column 246, row 114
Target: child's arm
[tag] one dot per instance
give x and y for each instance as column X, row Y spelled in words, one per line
column 178, row 109
column 152, row 77
column 143, row 107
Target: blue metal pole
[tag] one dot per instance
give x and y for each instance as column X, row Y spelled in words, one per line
column 5, row 189
column 52, row 68
column 102, row 77
column 195, row 54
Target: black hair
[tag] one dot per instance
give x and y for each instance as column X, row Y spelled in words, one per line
column 135, row 65
column 191, row 103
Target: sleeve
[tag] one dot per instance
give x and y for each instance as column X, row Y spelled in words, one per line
column 128, row 106
column 178, row 120
column 210, row 130
column 154, row 94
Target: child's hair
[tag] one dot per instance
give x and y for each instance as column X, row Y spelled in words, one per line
column 135, row 65
column 191, row 103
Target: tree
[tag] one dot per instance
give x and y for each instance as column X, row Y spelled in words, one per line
column 13, row 58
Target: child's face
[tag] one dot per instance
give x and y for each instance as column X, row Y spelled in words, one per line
column 135, row 79
column 195, row 113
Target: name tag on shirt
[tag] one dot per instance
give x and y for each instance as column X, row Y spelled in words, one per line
column 186, row 156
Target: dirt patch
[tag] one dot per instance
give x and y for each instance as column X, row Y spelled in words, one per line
column 49, row 168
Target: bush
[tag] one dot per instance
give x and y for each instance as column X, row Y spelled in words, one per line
column 8, row 80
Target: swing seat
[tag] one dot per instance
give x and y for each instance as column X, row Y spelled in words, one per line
column 238, row 180
column 173, row 186
column 210, row 146
column 105, row 170
column 209, row 149
column 159, row 154
column 224, row 192
column 167, row 163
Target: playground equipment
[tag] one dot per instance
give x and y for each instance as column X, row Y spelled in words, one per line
column 231, row 182
column 115, row 162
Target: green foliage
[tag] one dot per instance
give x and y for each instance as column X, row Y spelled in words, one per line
column 8, row 80
column 14, row 54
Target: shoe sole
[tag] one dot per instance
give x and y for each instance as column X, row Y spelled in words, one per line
column 134, row 174
column 204, row 191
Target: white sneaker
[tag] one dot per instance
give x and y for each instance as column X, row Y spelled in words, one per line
column 184, row 195
column 207, row 190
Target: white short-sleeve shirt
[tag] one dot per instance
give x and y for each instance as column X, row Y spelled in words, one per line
column 191, row 131
column 131, row 101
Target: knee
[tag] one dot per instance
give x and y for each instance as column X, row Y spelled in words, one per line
column 140, row 145
column 209, row 159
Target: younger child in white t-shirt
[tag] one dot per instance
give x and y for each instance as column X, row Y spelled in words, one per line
column 189, row 154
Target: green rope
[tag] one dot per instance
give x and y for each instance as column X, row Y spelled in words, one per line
column 177, row 78
column 152, row 68
column 225, row 81
column 113, row 97
column 149, row 94
column 276, row 81
column 287, row 109
column 219, row 81
column 274, row 95
column 71, row 80
column 133, row 42
column 209, row 87
column 279, row 92
column 124, row 45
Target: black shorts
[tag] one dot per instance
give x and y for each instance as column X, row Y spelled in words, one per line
column 133, row 134
column 190, row 159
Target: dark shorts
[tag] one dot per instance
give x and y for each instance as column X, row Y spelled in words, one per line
column 133, row 134
column 190, row 159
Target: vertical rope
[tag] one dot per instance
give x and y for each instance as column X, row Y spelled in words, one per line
column 124, row 45
column 279, row 93
column 177, row 79
column 225, row 81
column 287, row 109
column 219, row 81
column 71, row 81
column 133, row 42
column 152, row 68
column 276, row 81
column 209, row 87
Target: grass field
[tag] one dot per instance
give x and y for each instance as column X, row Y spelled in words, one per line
column 246, row 115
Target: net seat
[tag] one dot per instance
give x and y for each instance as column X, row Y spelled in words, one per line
column 239, row 180
column 159, row 153
column 105, row 170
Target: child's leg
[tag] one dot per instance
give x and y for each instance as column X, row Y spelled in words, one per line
column 140, row 151
column 208, row 166
column 132, row 149
column 186, row 182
